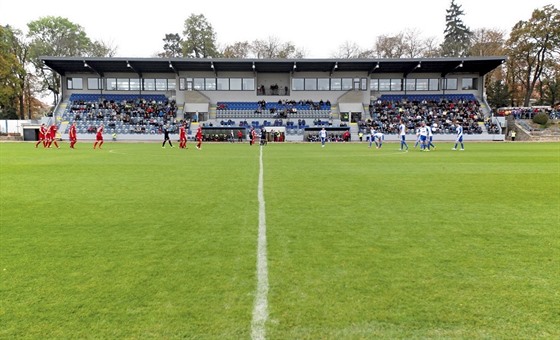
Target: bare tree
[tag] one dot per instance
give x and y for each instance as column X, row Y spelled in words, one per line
column 431, row 47
column 412, row 43
column 266, row 49
column 273, row 48
column 387, row 46
column 348, row 50
column 487, row 42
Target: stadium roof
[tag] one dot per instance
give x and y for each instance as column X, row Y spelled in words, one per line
column 101, row 66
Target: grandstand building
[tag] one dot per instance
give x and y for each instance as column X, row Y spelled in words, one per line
column 291, row 99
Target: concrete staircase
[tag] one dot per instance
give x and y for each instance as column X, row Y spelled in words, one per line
column 527, row 133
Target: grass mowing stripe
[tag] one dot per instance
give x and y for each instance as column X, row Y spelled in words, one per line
column 260, row 311
column 368, row 244
column 151, row 242
column 360, row 243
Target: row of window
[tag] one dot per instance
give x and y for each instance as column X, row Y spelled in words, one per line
column 122, row 84
column 219, row 84
column 399, row 84
column 248, row 84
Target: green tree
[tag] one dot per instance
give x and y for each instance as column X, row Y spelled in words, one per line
column 100, row 49
column 12, row 73
column 490, row 42
column 21, row 51
column 457, row 36
column 59, row 37
column 239, row 50
column 531, row 45
column 549, row 87
column 199, row 38
column 172, row 46
column 498, row 93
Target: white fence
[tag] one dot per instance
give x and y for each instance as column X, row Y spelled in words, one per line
column 13, row 126
column 16, row 126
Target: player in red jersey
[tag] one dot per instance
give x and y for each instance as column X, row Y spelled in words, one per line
column 253, row 136
column 42, row 135
column 51, row 136
column 182, row 137
column 72, row 135
column 99, row 137
column 199, row 137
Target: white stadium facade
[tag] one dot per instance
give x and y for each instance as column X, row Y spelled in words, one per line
column 291, row 98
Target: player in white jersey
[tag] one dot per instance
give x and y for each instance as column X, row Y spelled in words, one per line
column 378, row 138
column 402, row 133
column 417, row 137
column 423, row 136
column 431, row 136
column 371, row 136
column 323, row 135
column 459, row 129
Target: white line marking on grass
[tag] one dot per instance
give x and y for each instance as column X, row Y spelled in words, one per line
column 113, row 151
column 260, row 309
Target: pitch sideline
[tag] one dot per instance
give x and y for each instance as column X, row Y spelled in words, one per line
column 260, row 308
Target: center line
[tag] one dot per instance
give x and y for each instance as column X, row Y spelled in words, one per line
column 260, row 309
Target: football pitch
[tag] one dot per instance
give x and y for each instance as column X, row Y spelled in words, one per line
column 134, row 241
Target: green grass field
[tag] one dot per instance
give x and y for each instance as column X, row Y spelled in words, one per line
column 135, row 241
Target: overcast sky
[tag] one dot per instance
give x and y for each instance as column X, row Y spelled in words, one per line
column 137, row 28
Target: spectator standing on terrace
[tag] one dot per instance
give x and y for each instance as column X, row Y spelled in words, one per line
column 459, row 129
column 198, row 137
column 42, row 136
column 402, row 133
column 182, row 137
column 323, row 135
column 99, row 137
column 72, row 135
column 166, row 136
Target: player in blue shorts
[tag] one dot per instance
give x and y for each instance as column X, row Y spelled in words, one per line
column 371, row 136
column 323, row 135
column 423, row 137
column 402, row 133
column 459, row 129
column 417, row 137
column 378, row 138
column 431, row 136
